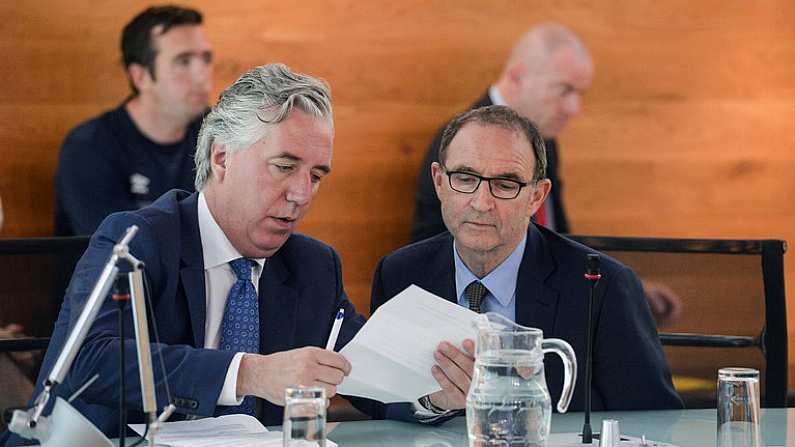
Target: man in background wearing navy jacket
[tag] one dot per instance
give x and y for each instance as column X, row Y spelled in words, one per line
column 129, row 156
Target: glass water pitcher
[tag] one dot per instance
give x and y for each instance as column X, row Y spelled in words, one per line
column 508, row 404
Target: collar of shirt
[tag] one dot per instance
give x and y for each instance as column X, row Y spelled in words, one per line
column 496, row 96
column 501, row 282
column 216, row 248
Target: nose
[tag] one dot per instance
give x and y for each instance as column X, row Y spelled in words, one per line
column 203, row 72
column 482, row 200
column 300, row 189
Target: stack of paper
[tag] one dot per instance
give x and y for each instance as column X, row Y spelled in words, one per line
column 234, row 430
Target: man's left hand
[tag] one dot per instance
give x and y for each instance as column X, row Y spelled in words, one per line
column 453, row 371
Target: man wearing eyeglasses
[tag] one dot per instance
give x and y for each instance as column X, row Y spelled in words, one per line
column 544, row 79
column 490, row 180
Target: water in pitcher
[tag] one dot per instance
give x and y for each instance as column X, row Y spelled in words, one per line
column 509, row 405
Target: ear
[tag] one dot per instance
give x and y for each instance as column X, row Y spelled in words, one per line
column 540, row 193
column 218, row 156
column 436, row 174
column 516, row 73
column 139, row 76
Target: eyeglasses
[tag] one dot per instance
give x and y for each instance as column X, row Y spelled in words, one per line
column 468, row 183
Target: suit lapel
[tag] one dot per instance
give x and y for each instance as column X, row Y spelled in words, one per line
column 440, row 279
column 192, row 267
column 536, row 298
column 278, row 309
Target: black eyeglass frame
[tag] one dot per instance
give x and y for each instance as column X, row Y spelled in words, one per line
column 480, row 180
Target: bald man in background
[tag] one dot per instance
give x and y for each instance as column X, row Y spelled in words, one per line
column 544, row 79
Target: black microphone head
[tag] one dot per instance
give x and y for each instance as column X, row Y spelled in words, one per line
column 593, row 264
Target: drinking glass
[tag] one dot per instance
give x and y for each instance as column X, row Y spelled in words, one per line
column 738, row 407
column 304, row 417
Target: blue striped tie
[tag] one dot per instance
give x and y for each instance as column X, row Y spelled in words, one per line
column 240, row 327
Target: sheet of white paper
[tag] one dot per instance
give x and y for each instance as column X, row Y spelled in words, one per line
column 392, row 354
column 234, row 430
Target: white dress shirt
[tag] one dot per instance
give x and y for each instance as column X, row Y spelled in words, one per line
column 217, row 252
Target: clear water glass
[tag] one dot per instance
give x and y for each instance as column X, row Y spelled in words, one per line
column 738, row 407
column 304, row 417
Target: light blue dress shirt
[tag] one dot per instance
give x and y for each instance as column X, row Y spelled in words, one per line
column 500, row 282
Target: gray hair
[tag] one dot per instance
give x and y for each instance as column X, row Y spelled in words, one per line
column 500, row 116
column 264, row 95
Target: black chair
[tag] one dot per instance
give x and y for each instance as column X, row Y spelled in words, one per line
column 734, row 309
column 34, row 274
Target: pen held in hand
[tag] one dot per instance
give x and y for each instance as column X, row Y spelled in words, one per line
column 335, row 330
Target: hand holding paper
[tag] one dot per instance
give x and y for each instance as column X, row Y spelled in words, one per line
column 453, row 371
column 393, row 354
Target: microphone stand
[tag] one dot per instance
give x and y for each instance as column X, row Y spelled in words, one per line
column 31, row 424
column 592, row 275
column 121, row 295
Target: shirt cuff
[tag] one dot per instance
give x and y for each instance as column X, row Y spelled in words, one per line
column 426, row 413
column 420, row 411
column 228, row 394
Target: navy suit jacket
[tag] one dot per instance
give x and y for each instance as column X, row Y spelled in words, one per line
column 300, row 291
column 629, row 369
column 427, row 212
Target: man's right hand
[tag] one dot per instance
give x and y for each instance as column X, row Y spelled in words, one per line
column 267, row 376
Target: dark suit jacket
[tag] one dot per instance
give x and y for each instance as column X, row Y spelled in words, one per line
column 300, row 291
column 427, row 212
column 629, row 368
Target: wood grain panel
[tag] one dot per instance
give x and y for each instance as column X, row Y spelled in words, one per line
column 686, row 131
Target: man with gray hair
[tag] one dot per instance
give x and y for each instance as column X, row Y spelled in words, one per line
column 242, row 304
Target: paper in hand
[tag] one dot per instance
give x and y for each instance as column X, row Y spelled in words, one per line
column 392, row 355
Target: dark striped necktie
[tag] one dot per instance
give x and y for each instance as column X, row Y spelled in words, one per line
column 475, row 292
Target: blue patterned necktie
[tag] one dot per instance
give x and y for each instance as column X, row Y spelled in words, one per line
column 240, row 327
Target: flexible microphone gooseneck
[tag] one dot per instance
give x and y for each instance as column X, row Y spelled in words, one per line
column 121, row 295
column 592, row 275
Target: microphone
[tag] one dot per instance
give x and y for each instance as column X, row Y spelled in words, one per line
column 592, row 268
column 592, row 275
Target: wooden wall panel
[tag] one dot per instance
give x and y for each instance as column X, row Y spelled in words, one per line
column 686, row 131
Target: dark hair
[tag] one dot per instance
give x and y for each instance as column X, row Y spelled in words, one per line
column 506, row 118
column 136, row 38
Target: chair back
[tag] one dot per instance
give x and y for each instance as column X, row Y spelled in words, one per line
column 34, row 274
column 733, row 308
